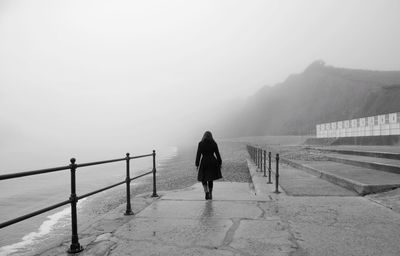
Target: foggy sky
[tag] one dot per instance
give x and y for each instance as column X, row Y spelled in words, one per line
column 80, row 75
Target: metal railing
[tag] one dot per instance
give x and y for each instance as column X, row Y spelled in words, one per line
column 259, row 157
column 75, row 247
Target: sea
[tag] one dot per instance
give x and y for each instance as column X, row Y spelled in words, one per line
column 24, row 195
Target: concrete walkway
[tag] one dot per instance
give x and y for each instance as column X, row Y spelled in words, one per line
column 247, row 220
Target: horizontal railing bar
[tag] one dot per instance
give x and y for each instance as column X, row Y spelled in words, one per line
column 144, row 174
column 101, row 190
column 49, row 208
column 134, row 157
column 111, row 186
column 32, row 214
column 55, row 169
column 101, row 162
column 110, row 161
column 35, row 172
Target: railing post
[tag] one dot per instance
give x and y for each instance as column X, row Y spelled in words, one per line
column 255, row 156
column 128, row 187
column 269, row 168
column 265, row 165
column 277, row 175
column 154, row 175
column 258, row 159
column 75, row 247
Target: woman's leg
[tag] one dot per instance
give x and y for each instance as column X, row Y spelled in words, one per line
column 205, row 186
column 210, row 188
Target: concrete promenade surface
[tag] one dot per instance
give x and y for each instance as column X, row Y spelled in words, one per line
column 247, row 220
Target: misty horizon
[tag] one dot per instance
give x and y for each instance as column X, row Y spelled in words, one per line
column 98, row 78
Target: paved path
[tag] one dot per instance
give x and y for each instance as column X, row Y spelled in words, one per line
column 247, row 220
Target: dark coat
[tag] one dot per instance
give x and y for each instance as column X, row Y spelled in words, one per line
column 210, row 164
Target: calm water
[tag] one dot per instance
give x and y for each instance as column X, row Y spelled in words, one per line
column 24, row 195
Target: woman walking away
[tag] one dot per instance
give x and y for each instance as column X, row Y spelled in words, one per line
column 208, row 164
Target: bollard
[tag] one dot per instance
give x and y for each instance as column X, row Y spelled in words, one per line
column 277, row 175
column 154, row 175
column 75, row 247
column 265, row 153
column 128, row 188
column 269, row 168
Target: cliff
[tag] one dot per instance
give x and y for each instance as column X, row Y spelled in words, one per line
column 320, row 94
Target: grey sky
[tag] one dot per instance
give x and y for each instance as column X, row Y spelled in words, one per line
column 92, row 72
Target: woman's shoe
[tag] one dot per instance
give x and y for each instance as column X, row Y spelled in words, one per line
column 210, row 197
column 207, row 195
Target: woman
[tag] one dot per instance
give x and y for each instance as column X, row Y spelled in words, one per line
column 209, row 165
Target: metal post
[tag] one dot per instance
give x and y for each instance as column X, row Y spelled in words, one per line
column 265, row 153
column 269, row 168
column 255, row 156
column 75, row 247
column 277, row 175
column 128, row 188
column 154, row 175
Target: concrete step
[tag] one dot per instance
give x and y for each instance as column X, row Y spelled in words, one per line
column 295, row 182
column 359, row 179
column 381, row 164
column 358, row 152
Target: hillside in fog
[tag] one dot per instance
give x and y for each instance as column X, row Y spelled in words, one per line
column 320, row 94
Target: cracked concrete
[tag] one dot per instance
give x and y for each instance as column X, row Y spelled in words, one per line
column 197, row 227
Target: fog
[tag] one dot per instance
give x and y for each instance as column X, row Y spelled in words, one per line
column 96, row 79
